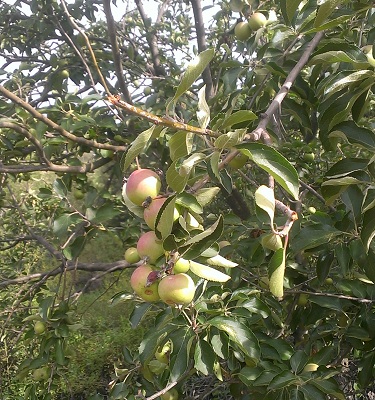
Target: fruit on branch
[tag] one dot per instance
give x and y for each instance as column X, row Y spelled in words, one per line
column 64, row 74
column 147, row 91
column 271, row 241
column 41, row 374
column 180, row 266
column 151, row 212
column 162, row 354
column 138, row 282
column 150, row 246
column 177, row 289
column 141, row 184
column 78, row 194
column 242, row 31
column 257, row 20
column 309, row 157
column 105, row 153
column 310, row 367
column 238, row 161
column 131, row 255
column 303, row 299
column 39, row 327
column 172, row 394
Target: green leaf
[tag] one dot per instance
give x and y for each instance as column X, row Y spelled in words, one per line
column 192, row 73
column 329, row 387
column 325, row 10
column 323, row 265
column 298, row 360
column 275, row 164
column 138, row 146
column 276, row 270
column 204, row 357
column 174, row 180
column 188, row 164
column 204, row 196
column 330, row 302
column 203, row 113
column 368, row 228
column 151, row 341
column 238, row 333
column 165, row 218
column 181, row 360
column 354, row 134
column 190, row 202
column 265, row 199
column 105, row 213
column 138, row 313
column 312, row 393
column 366, row 373
column 230, row 139
column 313, row 236
column 208, row 273
column 289, row 8
column 237, row 118
column 180, row 144
column 248, row 374
column 284, row 379
column 61, row 225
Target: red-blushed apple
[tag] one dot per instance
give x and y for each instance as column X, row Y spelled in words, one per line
column 181, row 265
column 177, row 289
column 131, row 255
column 151, row 212
column 138, row 282
column 172, row 394
column 141, row 184
column 257, row 20
column 150, row 246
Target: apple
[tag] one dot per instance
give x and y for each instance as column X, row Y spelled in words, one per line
column 151, row 212
column 172, row 394
column 310, row 367
column 177, row 289
column 309, row 157
column 162, row 354
column 64, row 74
column 242, row 31
column 272, row 242
column 180, row 266
column 141, row 184
column 257, row 20
column 138, row 282
column 238, row 161
column 41, row 374
column 39, row 327
column 150, row 246
column 131, row 255
column 78, row 194
column 105, row 153
column 147, row 91
column 303, row 299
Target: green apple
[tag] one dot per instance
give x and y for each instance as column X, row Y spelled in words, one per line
column 180, row 266
column 257, row 20
column 162, row 354
column 131, row 255
column 238, row 161
column 309, row 157
column 177, row 289
column 39, row 327
column 242, row 31
column 41, row 374
column 78, row 194
column 303, row 299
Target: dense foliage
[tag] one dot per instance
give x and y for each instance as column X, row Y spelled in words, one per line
column 262, row 135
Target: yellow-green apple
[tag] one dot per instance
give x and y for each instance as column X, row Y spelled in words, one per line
column 162, row 354
column 177, row 289
column 151, row 212
column 271, row 242
column 310, row 367
column 242, row 31
column 238, row 161
column 150, row 246
column 181, row 265
column 257, row 20
column 39, row 327
column 138, row 282
column 131, row 255
column 141, row 184
column 172, row 394
column 41, row 374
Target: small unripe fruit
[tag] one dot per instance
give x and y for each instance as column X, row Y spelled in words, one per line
column 177, row 289
column 39, row 327
column 242, row 31
column 138, row 282
column 150, row 246
column 78, row 194
column 309, row 157
column 311, row 210
column 162, row 354
column 172, row 394
column 41, row 374
column 64, row 74
column 239, row 161
column 180, row 266
column 141, row 184
column 131, row 255
column 303, row 299
column 257, row 20
column 147, row 91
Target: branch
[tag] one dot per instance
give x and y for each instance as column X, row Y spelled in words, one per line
column 276, row 103
column 115, row 50
column 151, row 40
column 201, row 41
column 77, row 139
column 71, row 266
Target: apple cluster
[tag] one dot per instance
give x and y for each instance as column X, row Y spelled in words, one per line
column 243, row 30
column 170, row 285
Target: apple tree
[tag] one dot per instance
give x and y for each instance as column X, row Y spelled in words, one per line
column 230, row 147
